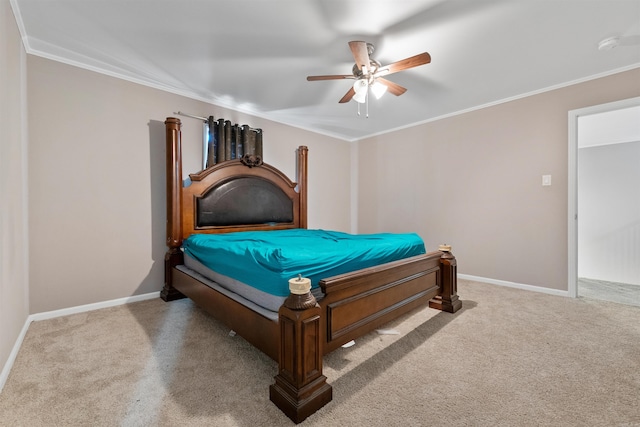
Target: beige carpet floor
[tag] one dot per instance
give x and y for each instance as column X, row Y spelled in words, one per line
column 508, row 358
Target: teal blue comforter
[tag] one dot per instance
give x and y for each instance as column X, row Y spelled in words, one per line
column 267, row 260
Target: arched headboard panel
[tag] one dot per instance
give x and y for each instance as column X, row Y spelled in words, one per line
column 246, row 200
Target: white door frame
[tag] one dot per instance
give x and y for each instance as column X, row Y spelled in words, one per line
column 573, row 181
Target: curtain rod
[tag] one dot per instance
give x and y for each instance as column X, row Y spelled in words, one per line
column 180, row 113
column 204, row 119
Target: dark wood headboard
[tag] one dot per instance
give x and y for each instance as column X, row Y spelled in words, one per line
column 236, row 195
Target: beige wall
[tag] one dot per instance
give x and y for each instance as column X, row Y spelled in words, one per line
column 14, row 308
column 474, row 181
column 96, row 181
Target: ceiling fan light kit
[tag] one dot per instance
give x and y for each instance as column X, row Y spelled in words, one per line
column 378, row 89
column 361, row 88
column 368, row 73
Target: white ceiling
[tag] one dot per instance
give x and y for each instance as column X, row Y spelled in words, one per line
column 254, row 55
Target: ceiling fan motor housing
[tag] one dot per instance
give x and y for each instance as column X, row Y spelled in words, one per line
column 373, row 67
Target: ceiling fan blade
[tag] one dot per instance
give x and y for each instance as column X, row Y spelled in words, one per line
column 330, row 77
column 360, row 54
column 347, row 97
column 392, row 87
column 414, row 61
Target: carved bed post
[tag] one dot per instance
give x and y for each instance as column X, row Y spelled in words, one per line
column 302, row 183
column 447, row 299
column 174, row 255
column 300, row 389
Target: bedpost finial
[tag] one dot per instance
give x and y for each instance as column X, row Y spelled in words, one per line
column 172, row 120
column 300, row 285
column 300, row 297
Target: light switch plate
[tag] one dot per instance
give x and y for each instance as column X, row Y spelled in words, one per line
column 546, row 180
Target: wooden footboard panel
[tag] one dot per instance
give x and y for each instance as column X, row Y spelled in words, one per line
column 261, row 332
column 357, row 303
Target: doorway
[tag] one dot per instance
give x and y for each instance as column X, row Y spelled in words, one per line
column 604, row 205
column 589, row 135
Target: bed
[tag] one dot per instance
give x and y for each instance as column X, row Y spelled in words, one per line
column 249, row 196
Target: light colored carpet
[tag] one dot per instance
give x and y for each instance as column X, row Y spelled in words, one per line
column 508, row 358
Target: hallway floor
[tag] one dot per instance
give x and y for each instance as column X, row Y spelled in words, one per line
column 609, row 291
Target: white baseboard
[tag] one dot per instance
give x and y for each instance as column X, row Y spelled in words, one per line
column 14, row 353
column 540, row 289
column 90, row 307
column 59, row 313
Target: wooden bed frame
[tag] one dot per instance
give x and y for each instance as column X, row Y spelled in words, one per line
column 353, row 304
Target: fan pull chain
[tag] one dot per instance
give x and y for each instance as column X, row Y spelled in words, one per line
column 367, row 101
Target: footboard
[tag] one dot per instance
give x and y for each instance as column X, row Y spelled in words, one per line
column 359, row 302
column 353, row 305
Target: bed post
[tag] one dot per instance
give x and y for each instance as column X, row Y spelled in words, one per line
column 302, row 183
column 174, row 255
column 300, row 389
column 447, row 298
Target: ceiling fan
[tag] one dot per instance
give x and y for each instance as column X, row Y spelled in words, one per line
column 368, row 73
